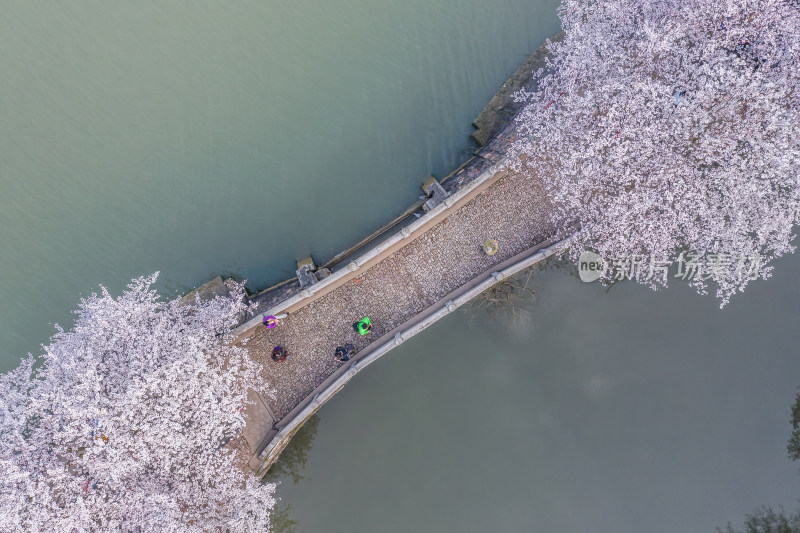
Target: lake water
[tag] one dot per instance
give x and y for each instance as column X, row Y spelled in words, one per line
column 625, row 411
column 204, row 138
column 199, row 138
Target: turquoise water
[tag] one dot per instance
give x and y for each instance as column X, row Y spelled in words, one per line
column 205, row 138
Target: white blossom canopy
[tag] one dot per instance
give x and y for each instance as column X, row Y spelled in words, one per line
column 125, row 426
column 670, row 126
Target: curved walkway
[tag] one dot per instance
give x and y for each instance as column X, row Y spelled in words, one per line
column 447, row 255
column 402, row 284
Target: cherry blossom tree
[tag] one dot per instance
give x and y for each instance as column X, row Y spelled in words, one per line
column 665, row 127
column 126, row 424
column 15, row 486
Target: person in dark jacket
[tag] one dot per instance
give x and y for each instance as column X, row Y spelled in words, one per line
column 279, row 354
column 344, row 353
column 341, row 355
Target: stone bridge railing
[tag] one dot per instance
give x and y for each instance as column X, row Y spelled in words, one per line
column 286, row 428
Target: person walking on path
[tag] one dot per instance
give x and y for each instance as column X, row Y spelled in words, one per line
column 363, row 326
column 340, row 356
column 270, row 321
column 344, row 353
column 279, row 354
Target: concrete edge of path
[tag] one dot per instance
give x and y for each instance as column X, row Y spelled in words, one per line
column 380, row 252
column 293, row 421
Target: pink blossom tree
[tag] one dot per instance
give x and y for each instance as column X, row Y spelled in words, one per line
column 15, row 483
column 126, row 424
column 671, row 126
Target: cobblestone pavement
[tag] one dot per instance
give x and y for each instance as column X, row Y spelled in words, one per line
column 514, row 211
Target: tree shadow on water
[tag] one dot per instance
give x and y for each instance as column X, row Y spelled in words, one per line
column 290, row 465
column 505, row 302
column 508, row 301
column 562, row 264
column 281, row 520
column 292, row 462
column 557, row 263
